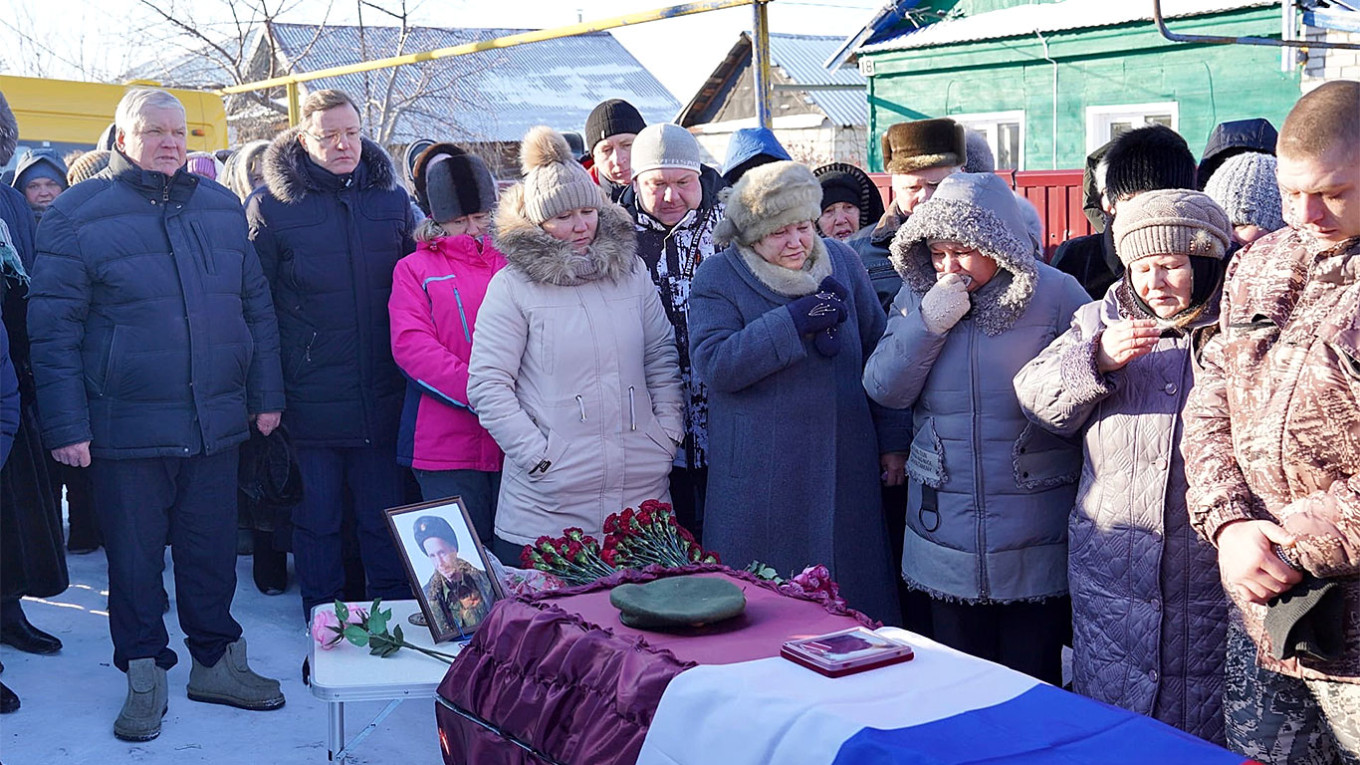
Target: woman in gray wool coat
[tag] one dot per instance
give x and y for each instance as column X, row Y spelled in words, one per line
column 988, row 492
column 781, row 323
column 1148, row 611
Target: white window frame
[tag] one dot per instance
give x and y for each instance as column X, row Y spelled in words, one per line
column 986, row 123
column 1099, row 119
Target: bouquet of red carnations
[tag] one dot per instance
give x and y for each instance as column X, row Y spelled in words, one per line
column 634, row 539
column 574, row 557
column 650, row 536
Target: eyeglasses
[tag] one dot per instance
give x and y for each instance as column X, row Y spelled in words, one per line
column 334, row 139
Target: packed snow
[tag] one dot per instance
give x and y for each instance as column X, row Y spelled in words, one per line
column 70, row 699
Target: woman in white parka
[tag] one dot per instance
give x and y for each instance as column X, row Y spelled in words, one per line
column 573, row 369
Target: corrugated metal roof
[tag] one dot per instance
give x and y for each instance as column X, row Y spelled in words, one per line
column 801, row 57
column 488, row 96
column 1025, row 20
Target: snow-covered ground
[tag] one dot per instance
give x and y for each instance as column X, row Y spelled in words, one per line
column 71, row 698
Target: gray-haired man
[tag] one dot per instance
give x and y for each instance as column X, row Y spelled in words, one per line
column 153, row 347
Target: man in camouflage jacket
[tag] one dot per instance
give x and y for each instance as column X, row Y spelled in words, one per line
column 1272, row 444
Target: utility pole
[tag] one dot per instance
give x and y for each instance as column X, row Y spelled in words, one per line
column 760, row 63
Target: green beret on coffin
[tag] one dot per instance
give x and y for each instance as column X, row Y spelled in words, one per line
column 677, row 601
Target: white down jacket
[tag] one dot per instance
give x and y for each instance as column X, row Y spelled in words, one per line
column 574, row 373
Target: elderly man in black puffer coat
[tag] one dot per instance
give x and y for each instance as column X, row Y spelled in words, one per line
column 153, row 345
column 329, row 226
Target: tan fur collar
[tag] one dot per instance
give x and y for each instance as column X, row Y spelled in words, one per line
column 785, row 281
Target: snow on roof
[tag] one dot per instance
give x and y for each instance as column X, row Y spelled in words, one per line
column 494, row 95
column 1025, row 20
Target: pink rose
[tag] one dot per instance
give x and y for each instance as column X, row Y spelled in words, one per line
column 325, row 629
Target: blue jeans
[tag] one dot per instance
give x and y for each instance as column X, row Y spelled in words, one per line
column 376, row 483
column 192, row 502
column 478, row 488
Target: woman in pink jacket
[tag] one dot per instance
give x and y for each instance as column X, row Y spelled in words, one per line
column 436, row 292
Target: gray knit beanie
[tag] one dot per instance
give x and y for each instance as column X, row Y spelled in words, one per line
column 767, row 198
column 664, row 145
column 1170, row 222
column 1245, row 187
column 554, row 182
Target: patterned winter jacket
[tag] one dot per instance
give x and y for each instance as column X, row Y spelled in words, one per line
column 1272, row 428
column 672, row 255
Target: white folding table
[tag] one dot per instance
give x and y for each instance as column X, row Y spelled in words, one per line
column 348, row 672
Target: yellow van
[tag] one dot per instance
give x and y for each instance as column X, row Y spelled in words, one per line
column 63, row 115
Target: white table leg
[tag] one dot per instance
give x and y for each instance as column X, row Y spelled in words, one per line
column 335, row 743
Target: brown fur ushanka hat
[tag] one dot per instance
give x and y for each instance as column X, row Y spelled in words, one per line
column 912, row 146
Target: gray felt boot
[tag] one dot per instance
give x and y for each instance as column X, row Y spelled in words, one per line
column 140, row 719
column 230, row 681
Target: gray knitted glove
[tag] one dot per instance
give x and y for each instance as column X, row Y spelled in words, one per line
column 945, row 304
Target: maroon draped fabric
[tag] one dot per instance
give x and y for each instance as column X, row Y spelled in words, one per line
column 559, row 673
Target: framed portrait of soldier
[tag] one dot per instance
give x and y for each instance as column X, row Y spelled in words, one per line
column 447, row 566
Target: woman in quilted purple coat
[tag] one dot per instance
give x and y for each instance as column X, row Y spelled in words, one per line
column 1148, row 611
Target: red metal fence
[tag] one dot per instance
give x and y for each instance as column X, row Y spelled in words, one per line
column 1057, row 194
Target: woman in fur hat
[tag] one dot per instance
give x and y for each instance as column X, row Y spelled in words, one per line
column 574, row 370
column 437, row 292
column 989, row 493
column 1148, row 611
column 781, row 323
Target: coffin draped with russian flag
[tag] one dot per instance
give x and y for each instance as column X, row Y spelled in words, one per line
column 942, row 708
column 556, row 678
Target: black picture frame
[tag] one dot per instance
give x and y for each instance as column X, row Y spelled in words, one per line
column 452, row 617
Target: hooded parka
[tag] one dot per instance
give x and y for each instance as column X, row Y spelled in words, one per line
column 989, row 492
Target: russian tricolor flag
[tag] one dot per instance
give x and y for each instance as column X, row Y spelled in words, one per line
column 942, row 708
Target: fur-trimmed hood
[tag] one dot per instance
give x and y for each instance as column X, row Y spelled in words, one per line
column 978, row 210
column 291, row 175
column 536, row 254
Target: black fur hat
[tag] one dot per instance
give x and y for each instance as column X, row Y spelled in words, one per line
column 450, row 183
column 1146, row 159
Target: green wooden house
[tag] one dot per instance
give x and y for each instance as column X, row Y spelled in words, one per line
column 1048, row 82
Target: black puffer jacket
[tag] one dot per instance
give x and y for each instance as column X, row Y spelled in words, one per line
column 328, row 244
column 150, row 322
column 871, row 244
